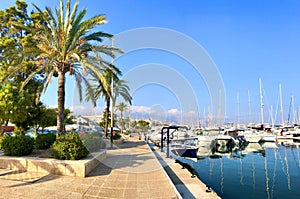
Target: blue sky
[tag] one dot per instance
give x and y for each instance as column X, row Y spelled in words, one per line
column 246, row 39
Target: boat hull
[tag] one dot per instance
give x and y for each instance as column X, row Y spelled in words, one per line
column 185, row 152
column 253, row 138
column 269, row 138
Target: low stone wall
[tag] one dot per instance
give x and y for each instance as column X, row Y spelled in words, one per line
column 78, row 168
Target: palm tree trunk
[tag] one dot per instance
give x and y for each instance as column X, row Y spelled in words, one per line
column 122, row 121
column 107, row 116
column 60, row 103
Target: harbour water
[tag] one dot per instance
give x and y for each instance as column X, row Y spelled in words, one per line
column 269, row 170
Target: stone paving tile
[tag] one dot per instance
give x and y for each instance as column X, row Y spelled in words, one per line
column 131, row 193
column 111, row 193
column 92, row 191
column 132, row 177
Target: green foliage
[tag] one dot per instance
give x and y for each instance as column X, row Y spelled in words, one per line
column 17, row 101
column 126, row 133
column 122, row 107
column 1, row 140
column 93, row 141
column 69, row 118
column 140, row 126
column 48, row 118
column 44, row 141
column 69, row 147
column 17, row 145
column 31, row 45
column 117, row 135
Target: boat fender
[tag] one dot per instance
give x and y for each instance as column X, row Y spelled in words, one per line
column 208, row 190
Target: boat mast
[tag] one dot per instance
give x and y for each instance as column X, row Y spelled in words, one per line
column 238, row 109
column 271, row 113
column 292, row 111
column 290, row 107
column 261, row 102
column 281, row 107
column 249, row 107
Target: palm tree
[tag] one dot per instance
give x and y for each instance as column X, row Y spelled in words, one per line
column 121, row 107
column 120, row 88
column 64, row 44
column 110, row 94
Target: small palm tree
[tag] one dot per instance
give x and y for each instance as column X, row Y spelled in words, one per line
column 109, row 93
column 121, row 107
column 66, row 45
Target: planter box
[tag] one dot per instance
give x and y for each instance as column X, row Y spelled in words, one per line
column 80, row 168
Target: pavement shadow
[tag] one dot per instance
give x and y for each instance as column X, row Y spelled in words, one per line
column 25, row 181
column 130, row 157
column 127, row 144
column 99, row 170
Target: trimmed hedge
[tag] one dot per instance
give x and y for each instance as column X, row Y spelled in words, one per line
column 93, row 141
column 69, row 147
column 44, row 141
column 17, row 145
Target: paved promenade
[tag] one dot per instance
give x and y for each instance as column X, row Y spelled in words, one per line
column 130, row 171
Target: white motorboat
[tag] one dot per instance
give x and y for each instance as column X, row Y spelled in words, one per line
column 269, row 138
column 203, row 140
column 252, row 137
column 223, row 143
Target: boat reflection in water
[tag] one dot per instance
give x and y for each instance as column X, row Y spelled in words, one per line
column 266, row 170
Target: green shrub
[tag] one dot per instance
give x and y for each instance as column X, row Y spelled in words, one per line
column 126, row 133
column 1, row 140
column 117, row 136
column 93, row 141
column 44, row 141
column 17, row 145
column 69, row 147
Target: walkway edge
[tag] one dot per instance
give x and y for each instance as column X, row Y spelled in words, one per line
column 172, row 184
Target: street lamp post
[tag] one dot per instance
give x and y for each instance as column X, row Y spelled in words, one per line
column 112, row 104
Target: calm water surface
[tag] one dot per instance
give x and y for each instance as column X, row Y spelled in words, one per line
column 256, row 171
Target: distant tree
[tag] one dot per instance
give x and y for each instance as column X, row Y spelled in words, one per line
column 121, row 107
column 140, row 126
column 69, row 117
column 126, row 122
column 48, row 118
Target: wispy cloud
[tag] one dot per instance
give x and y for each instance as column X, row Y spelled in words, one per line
column 86, row 110
column 173, row 111
column 140, row 109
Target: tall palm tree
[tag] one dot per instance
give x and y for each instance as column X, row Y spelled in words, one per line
column 65, row 44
